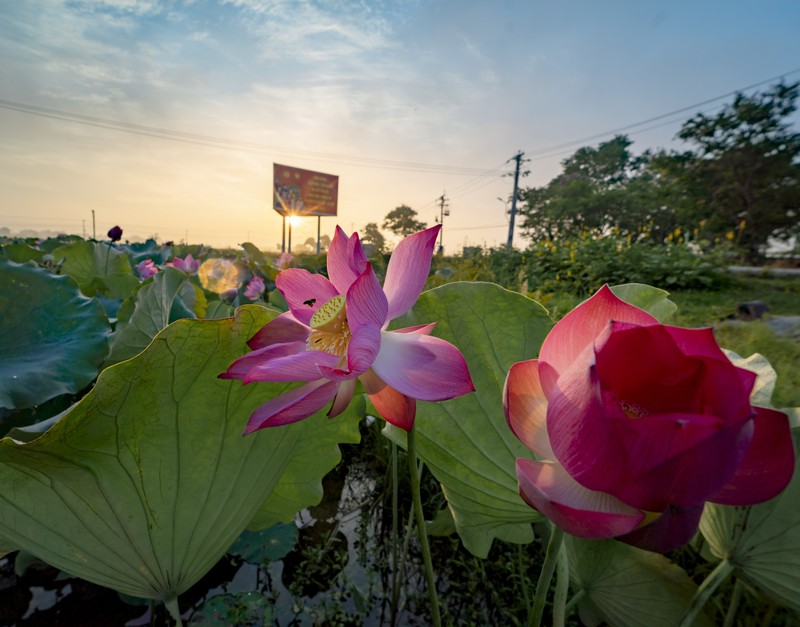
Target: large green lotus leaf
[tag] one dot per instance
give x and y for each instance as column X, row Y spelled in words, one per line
column 629, row 587
column 20, row 253
column 145, row 484
column 300, row 484
column 97, row 268
column 466, row 442
column 762, row 541
column 52, row 338
column 155, row 306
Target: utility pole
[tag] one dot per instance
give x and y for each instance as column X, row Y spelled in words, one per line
column 443, row 211
column 518, row 158
column 94, row 232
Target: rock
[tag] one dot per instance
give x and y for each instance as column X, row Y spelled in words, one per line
column 752, row 310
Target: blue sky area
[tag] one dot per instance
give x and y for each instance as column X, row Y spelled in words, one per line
column 403, row 100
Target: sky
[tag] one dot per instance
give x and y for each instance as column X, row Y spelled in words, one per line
column 166, row 116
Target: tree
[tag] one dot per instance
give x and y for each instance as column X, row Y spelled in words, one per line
column 743, row 174
column 600, row 188
column 371, row 234
column 402, row 221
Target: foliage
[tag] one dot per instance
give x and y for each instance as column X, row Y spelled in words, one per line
column 739, row 181
column 743, row 169
column 371, row 235
column 403, row 221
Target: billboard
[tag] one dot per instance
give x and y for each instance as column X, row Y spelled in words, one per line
column 299, row 192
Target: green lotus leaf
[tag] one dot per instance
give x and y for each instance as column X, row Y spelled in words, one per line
column 266, row 545
column 97, row 268
column 466, row 442
column 20, row 253
column 254, row 254
column 234, row 610
column 145, row 484
column 629, row 587
column 762, row 542
column 157, row 303
column 652, row 299
column 52, row 338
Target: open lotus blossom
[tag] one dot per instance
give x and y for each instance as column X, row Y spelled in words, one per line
column 636, row 425
column 336, row 331
column 254, row 288
column 284, row 261
column 188, row 264
column 146, row 268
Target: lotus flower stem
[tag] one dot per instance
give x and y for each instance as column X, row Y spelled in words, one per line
column 730, row 617
column 174, row 611
column 562, row 588
column 704, row 592
column 574, row 601
column 523, row 578
column 395, row 537
column 436, row 618
column 546, row 574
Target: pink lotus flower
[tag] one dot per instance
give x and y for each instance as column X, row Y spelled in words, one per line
column 146, row 268
column 335, row 332
column 188, row 264
column 284, row 260
column 637, row 424
column 254, row 288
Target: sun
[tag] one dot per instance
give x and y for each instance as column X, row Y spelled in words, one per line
column 295, row 220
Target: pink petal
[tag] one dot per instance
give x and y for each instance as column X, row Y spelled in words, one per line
column 302, row 365
column 768, row 464
column 394, row 408
column 579, row 328
column 421, row 366
column 293, row 406
column 361, row 351
column 282, row 329
column 366, row 302
column 672, row 529
column 343, row 397
column 425, row 329
column 346, row 260
column 547, row 487
column 408, row 270
column 304, row 292
column 240, row 368
column 526, row 407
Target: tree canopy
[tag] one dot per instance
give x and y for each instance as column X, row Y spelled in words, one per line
column 403, row 221
column 740, row 174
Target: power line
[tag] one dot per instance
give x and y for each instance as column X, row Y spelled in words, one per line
column 620, row 129
column 233, row 144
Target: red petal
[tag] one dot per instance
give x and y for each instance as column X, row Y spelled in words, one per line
column 672, row 529
column 526, row 407
column 393, row 407
column 344, row 395
column 768, row 464
column 578, row 329
column 547, row 487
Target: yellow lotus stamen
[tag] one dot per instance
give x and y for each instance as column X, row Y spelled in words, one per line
column 330, row 332
column 632, row 410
